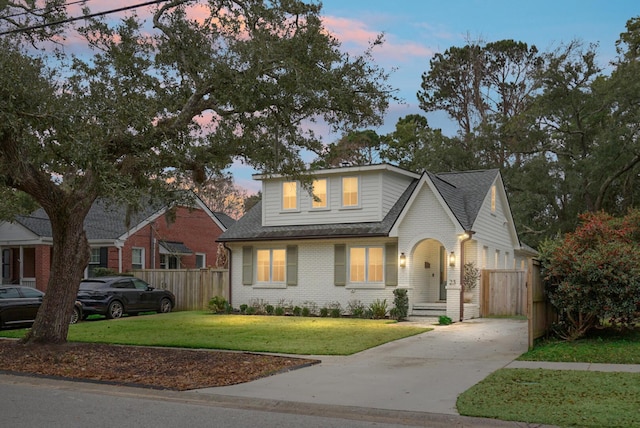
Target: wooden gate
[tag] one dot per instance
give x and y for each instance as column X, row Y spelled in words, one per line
column 503, row 293
column 193, row 288
column 541, row 313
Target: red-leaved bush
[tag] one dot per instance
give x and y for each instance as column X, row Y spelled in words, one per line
column 593, row 274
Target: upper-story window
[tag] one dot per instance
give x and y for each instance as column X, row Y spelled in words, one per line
column 350, row 196
column 319, row 193
column 290, row 195
column 493, row 198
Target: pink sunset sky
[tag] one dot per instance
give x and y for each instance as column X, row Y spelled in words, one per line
column 416, row 29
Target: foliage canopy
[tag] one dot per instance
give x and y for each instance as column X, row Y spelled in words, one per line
column 147, row 101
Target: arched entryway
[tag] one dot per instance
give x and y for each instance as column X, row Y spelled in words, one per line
column 429, row 278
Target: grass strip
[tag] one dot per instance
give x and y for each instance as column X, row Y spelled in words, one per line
column 556, row 397
column 601, row 346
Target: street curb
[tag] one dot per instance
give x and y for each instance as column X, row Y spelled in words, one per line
column 398, row 417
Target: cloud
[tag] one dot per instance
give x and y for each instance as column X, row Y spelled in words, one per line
column 356, row 34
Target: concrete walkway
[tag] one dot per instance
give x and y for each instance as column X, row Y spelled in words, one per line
column 423, row 373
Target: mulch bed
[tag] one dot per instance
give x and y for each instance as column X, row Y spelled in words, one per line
column 159, row 368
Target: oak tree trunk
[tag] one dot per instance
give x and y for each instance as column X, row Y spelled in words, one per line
column 69, row 258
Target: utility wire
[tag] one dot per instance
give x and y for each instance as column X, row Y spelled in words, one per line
column 43, row 9
column 77, row 18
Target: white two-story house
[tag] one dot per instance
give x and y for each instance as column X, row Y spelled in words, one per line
column 368, row 230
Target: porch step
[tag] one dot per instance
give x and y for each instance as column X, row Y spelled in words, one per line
column 434, row 309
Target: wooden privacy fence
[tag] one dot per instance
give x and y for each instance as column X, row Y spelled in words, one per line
column 193, row 288
column 503, row 293
column 541, row 313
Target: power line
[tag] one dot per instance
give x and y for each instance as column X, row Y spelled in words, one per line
column 77, row 18
column 43, row 9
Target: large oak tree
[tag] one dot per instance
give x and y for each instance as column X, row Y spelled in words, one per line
column 194, row 87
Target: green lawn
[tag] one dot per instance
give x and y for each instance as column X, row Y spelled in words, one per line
column 288, row 335
column 600, row 346
column 564, row 398
column 556, row 397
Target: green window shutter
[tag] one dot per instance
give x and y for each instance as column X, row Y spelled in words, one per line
column 391, row 264
column 247, row 265
column 340, row 265
column 292, row 265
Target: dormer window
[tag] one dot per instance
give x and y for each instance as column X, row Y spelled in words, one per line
column 350, row 190
column 319, row 193
column 290, row 195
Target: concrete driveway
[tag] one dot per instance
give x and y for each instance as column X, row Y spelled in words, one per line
column 423, row 373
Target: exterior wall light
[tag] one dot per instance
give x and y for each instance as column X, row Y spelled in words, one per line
column 403, row 260
column 452, row 259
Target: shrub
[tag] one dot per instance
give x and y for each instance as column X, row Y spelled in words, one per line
column 444, row 320
column 324, row 312
column 297, row 311
column 259, row 306
column 306, row 312
column 401, row 303
column 250, row 310
column 336, row 312
column 312, row 308
column 470, row 276
column 356, row 308
column 218, row 305
column 279, row 311
column 270, row 309
column 378, row 309
column 103, row 271
column 243, row 308
column 592, row 276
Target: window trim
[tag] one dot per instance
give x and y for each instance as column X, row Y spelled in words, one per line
column 493, row 199
column 367, row 282
column 297, row 196
column 358, row 192
column 326, row 195
column 204, row 260
column 270, row 280
column 142, row 257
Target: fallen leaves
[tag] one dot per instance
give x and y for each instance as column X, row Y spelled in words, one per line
column 161, row 368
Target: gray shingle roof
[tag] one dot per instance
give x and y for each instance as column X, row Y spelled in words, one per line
column 173, row 247
column 463, row 192
column 104, row 220
column 224, row 219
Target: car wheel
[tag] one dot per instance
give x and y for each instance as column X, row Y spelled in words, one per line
column 115, row 310
column 165, row 306
column 75, row 316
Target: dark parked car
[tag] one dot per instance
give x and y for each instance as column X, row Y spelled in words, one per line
column 19, row 306
column 115, row 296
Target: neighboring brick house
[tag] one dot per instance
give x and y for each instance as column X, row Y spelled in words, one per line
column 372, row 229
column 180, row 237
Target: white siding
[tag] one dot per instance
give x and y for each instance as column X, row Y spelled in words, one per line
column 378, row 192
column 393, row 186
column 493, row 231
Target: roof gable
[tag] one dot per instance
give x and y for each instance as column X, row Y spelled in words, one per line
column 464, row 192
column 108, row 221
column 461, row 193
